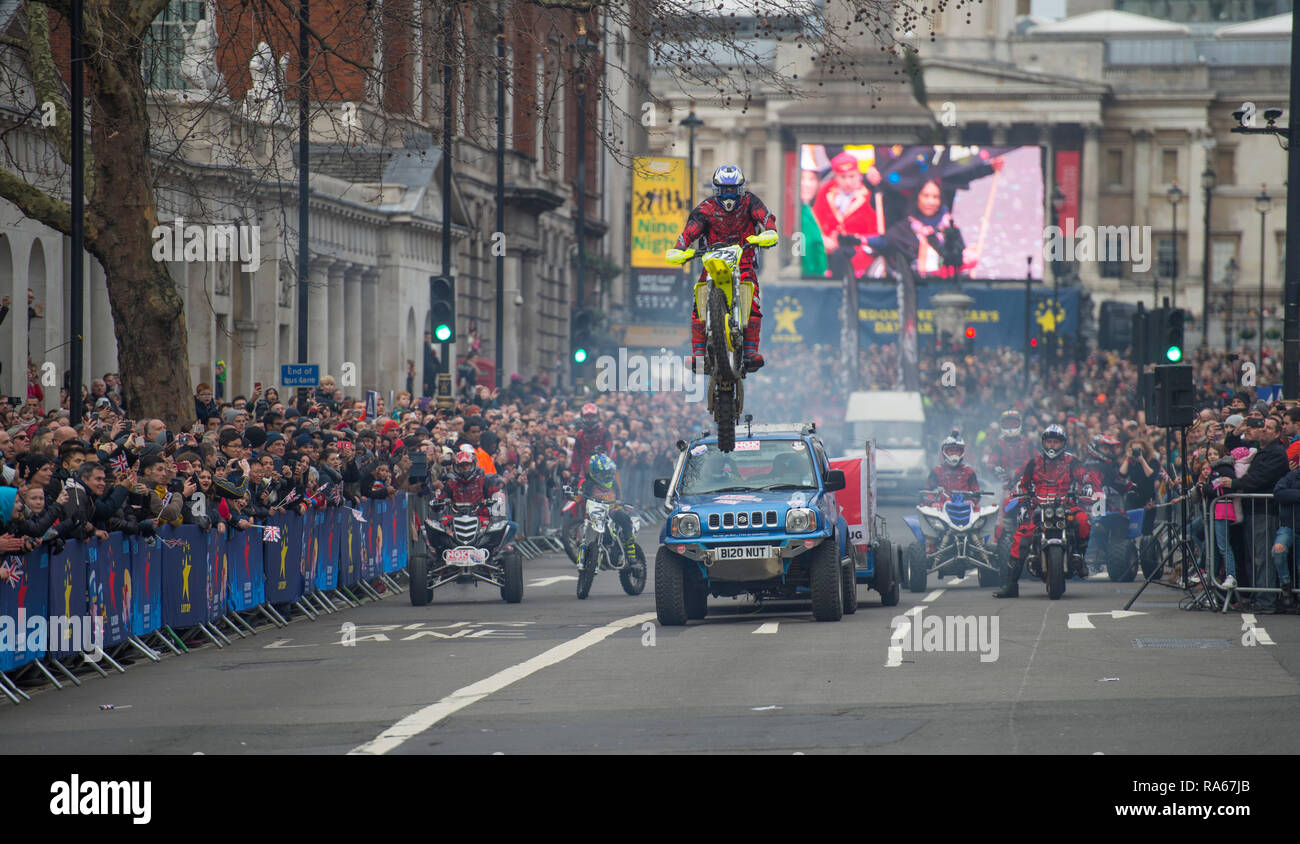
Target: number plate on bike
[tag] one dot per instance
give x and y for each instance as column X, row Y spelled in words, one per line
column 743, row 552
column 465, row 556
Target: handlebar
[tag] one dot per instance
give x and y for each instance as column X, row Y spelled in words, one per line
column 681, row 256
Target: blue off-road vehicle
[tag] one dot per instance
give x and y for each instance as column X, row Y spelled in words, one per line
column 759, row 520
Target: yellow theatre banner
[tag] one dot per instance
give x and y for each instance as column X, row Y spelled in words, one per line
column 660, row 198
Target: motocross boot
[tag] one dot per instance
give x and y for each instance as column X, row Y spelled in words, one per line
column 629, row 548
column 753, row 360
column 698, row 343
column 1011, row 586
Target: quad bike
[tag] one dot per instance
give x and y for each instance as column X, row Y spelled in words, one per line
column 723, row 302
column 956, row 528
column 467, row 545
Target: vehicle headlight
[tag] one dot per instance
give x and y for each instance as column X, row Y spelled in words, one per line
column 800, row 520
column 936, row 523
column 686, row 525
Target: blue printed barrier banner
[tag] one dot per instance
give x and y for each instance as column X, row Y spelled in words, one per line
column 308, row 551
column 396, row 534
column 371, row 538
column 184, row 561
column 216, row 571
column 106, row 567
column 283, row 559
column 68, row 601
column 146, row 586
column 327, row 549
column 247, row 577
column 349, row 542
column 24, row 598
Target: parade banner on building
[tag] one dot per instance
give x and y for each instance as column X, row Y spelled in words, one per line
column 802, row 313
column 660, row 194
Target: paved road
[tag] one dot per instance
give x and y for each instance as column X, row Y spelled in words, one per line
column 470, row 674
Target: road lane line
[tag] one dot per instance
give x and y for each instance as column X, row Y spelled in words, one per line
column 1024, row 680
column 900, row 635
column 548, row 581
column 914, row 610
column 417, row 722
column 933, row 596
column 768, row 627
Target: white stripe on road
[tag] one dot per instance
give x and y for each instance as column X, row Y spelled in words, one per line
column 1260, row 634
column 768, row 627
column 900, row 635
column 933, row 596
column 547, row 581
column 416, row 723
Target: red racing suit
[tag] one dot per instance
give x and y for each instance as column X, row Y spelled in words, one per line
column 1009, row 454
column 959, row 478
column 1044, row 477
column 714, row 224
column 586, row 443
column 476, row 490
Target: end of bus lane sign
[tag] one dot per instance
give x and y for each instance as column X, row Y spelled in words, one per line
column 300, row 375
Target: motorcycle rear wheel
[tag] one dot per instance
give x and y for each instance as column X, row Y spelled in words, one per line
column 1055, row 572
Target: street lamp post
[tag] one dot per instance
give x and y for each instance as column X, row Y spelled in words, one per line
column 1175, row 195
column 582, row 46
column 1207, row 184
column 1058, row 267
column 691, row 123
column 1262, row 203
column 1229, row 280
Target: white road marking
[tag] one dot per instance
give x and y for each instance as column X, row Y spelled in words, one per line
column 284, row 643
column 764, row 708
column 1259, row 633
column 549, row 581
column 900, row 635
column 417, row 722
column 1080, row 621
column 768, row 627
column 914, row 610
column 1248, row 617
column 933, row 596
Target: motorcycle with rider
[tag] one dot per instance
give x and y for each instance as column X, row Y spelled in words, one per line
column 726, row 319
column 591, row 439
column 608, row 537
column 1005, row 458
column 1052, row 537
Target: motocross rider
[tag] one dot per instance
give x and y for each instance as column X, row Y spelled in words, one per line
column 1051, row 472
column 1006, row 457
column 728, row 216
column 591, row 440
column 601, row 484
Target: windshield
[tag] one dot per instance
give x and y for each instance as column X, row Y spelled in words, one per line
column 754, row 465
column 889, row 434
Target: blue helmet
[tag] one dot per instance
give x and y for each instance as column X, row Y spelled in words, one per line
column 728, row 185
column 600, row 471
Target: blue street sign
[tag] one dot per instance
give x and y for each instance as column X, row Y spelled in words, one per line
column 300, row 375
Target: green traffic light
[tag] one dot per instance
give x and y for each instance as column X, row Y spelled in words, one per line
column 580, row 355
column 1174, row 354
column 443, row 333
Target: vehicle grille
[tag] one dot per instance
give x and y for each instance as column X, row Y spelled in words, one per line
column 465, row 528
column 743, row 520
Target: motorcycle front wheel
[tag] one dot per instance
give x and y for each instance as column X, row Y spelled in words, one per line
column 587, row 573
column 727, row 361
column 633, row 575
column 1055, row 571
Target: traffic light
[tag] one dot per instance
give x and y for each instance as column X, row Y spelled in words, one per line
column 970, row 339
column 1138, row 337
column 581, row 338
column 442, row 308
column 1171, row 336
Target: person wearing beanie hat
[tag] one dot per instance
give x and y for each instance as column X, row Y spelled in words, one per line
column 256, row 437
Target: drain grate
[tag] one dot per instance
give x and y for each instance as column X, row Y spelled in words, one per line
column 1180, row 643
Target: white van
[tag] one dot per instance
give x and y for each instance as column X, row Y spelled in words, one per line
column 895, row 420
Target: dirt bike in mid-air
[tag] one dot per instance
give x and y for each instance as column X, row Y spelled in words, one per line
column 723, row 303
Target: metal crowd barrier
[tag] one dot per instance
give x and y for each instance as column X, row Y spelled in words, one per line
column 1251, row 538
column 99, row 599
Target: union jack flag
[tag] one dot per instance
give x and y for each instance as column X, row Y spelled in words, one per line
column 173, row 543
column 120, row 464
column 336, row 494
column 14, row 570
column 271, row 533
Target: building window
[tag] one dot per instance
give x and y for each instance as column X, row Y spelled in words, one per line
column 1112, row 269
column 705, row 165
column 1221, row 250
column 1169, row 166
column 1115, row 167
column 164, row 45
column 1225, row 166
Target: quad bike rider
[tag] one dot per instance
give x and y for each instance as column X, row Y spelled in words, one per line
column 1006, row 458
column 1051, row 472
column 952, row 475
column 468, row 484
column 729, row 216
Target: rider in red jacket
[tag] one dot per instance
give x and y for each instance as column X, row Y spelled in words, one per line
column 592, row 439
column 729, row 216
column 953, row 475
column 1051, row 472
column 1008, row 454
